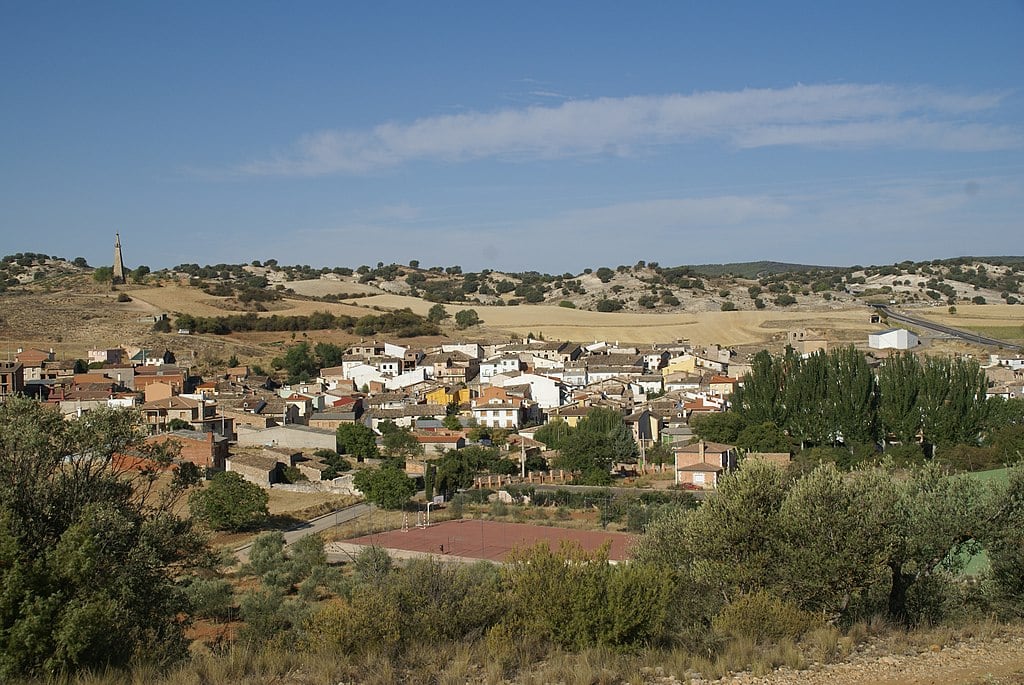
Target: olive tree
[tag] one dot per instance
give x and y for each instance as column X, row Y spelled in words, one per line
column 90, row 551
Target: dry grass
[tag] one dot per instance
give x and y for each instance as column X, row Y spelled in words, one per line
column 320, row 287
column 481, row 662
column 179, row 298
column 726, row 328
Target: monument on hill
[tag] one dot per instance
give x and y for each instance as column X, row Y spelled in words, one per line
column 117, row 276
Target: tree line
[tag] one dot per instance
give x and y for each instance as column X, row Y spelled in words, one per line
column 836, row 399
column 402, row 323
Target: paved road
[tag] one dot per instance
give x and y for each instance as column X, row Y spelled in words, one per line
column 317, row 525
column 939, row 328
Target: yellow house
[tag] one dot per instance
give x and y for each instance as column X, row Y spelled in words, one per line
column 445, row 396
column 686, row 363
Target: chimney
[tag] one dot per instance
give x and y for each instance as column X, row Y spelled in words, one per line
column 701, row 451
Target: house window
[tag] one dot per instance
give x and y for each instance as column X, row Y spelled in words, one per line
column 698, row 479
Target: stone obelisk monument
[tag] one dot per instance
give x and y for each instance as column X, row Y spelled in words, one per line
column 117, row 277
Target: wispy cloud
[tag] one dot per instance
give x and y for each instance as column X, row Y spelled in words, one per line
column 802, row 115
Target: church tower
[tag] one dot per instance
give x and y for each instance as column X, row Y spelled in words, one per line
column 117, row 277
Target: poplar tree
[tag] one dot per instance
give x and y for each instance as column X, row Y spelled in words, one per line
column 899, row 384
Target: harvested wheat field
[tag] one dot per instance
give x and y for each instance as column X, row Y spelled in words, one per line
column 725, row 328
column 561, row 323
column 974, row 314
column 319, row 287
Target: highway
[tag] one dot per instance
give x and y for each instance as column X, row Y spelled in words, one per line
column 947, row 330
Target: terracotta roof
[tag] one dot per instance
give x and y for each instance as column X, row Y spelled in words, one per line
column 175, row 402
column 440, row 438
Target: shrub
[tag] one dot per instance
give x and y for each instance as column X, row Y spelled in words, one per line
column 607, row 305
column 762, row 618
column 567, row 304
column 123, row 297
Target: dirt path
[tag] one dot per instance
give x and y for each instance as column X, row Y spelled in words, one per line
column 992, row 661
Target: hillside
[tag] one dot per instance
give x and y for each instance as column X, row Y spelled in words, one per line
column 52, row 302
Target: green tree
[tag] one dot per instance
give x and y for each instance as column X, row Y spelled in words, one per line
column 467, row 318
column 387, row 487
column 335, row 461
column 723, row 427
column 229, row 502
column 102, row 274
column 552, row 432
column 952, row 401
column 400, row 443
column 328, row 354
column 852, row 397
column 759, row 398
column 765, row 437
column 806, row 395
column 829, row 542
column 588, row 454
column 1004, row 542
column 437, row 314
column 899, row 384
column 90, row 555
column 457, row 468
column 177, row 424
column 298, row 362
column 357, row 440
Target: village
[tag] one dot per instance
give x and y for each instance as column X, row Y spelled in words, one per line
column 442, row 398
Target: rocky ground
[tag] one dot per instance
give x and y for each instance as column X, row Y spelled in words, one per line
column 997, row 660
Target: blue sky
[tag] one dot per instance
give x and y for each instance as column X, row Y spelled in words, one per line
column 548, row 136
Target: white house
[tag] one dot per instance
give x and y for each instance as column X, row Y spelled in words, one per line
column 893, row 339
column 407, row 379
column 501, row 364
column 471, row 350
column 547, row 392
column 364, row 374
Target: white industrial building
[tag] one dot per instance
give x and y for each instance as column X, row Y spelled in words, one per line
column 893, row 339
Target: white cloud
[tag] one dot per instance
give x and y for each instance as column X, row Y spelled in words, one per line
column 815, row 115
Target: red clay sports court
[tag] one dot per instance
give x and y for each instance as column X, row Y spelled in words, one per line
column 492, row 540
